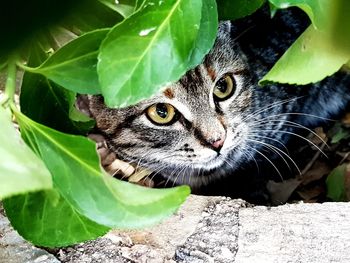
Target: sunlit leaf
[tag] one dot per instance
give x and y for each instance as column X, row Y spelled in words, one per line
column 149, row 49
column 74, row 165
column 123, row 7
column 317, row 10
column 46, row 102
column 74, row 65
column 20, row 170
column 308, row 60
column 207, row 32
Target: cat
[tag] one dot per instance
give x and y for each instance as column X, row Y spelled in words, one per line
column 216, row 120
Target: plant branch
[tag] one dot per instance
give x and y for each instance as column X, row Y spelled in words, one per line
column 10, row 87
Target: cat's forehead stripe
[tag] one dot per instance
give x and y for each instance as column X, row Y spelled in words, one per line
column 211, row 72
column 169, row 93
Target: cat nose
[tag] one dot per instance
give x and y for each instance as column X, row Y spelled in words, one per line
column 217, row 145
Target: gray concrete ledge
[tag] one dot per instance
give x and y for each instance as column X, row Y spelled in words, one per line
column 211, row 229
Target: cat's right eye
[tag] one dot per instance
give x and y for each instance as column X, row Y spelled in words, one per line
column 161, row 113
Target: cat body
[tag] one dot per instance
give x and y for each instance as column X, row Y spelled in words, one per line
column 216, row 120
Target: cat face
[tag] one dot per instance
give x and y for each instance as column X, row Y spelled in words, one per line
column 193, row 128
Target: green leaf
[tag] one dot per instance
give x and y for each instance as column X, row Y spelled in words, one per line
column 74, row 165
column 317, row 10
column 48, row 103
column 340, row 26
column 90, row 16
column 207, row 32
column 123, row 7
column 46, row 219
column 231, row 10
column 20, row 170
column 341, row 134
column 336, row 184
column 149, row 49
column 309, row 59
column 74, row 65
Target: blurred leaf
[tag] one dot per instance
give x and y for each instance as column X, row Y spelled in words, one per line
column 74, row 65
column 303, row 63
column 231, row 10
column 149, row 49
column 123, row 7
column 46, row 219
column 91, row 16
column 336, row 184
column 20, row 20
column 74, row 165
column 341, row 134
column 20, row 170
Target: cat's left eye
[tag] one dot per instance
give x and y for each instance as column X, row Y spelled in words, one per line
column 224, row 88
column 161, row 113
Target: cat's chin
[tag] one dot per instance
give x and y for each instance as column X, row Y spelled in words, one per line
column 201, row 174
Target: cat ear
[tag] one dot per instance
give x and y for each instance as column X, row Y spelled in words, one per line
column 224, row 28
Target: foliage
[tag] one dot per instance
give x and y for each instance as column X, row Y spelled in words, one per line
column 328, row 35
column 338, row 182
column 125, row 50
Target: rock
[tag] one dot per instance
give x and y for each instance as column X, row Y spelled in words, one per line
column 295, row 233
column 14, row 249
column 214, row 229
column 216, row 236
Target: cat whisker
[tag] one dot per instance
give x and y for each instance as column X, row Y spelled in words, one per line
column 297, row 125
column 247, row 152
column 272, row 164
column 275, row 140
column 297, row 135
column 269, row 147
column 279, row 152
column 175, row 171
column 273, row 105
column 300, row 114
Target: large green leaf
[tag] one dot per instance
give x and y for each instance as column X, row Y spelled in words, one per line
column 45, row 101
column 123, row 7
column 46, row 219
column 309, row 59
column 321, row 50
column 230, row 10
column 317, row 10
column 149, row 49
column 207, row 32
column 74, row 65
column 20, row 170
column 74, row 165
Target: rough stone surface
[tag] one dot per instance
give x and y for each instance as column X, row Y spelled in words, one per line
column 216, row 236
column 295, row 233
column 13, row 249
column 154, row 245
column 210, row 229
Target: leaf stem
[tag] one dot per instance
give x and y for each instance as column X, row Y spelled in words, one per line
column 24, row 67
column 10, row 87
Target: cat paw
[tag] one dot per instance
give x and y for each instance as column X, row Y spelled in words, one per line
column 118, row 168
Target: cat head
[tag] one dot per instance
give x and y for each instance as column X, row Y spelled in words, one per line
column 192, row 128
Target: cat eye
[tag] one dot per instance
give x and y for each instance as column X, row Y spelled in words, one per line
column 161, row 113
column 224, row 88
